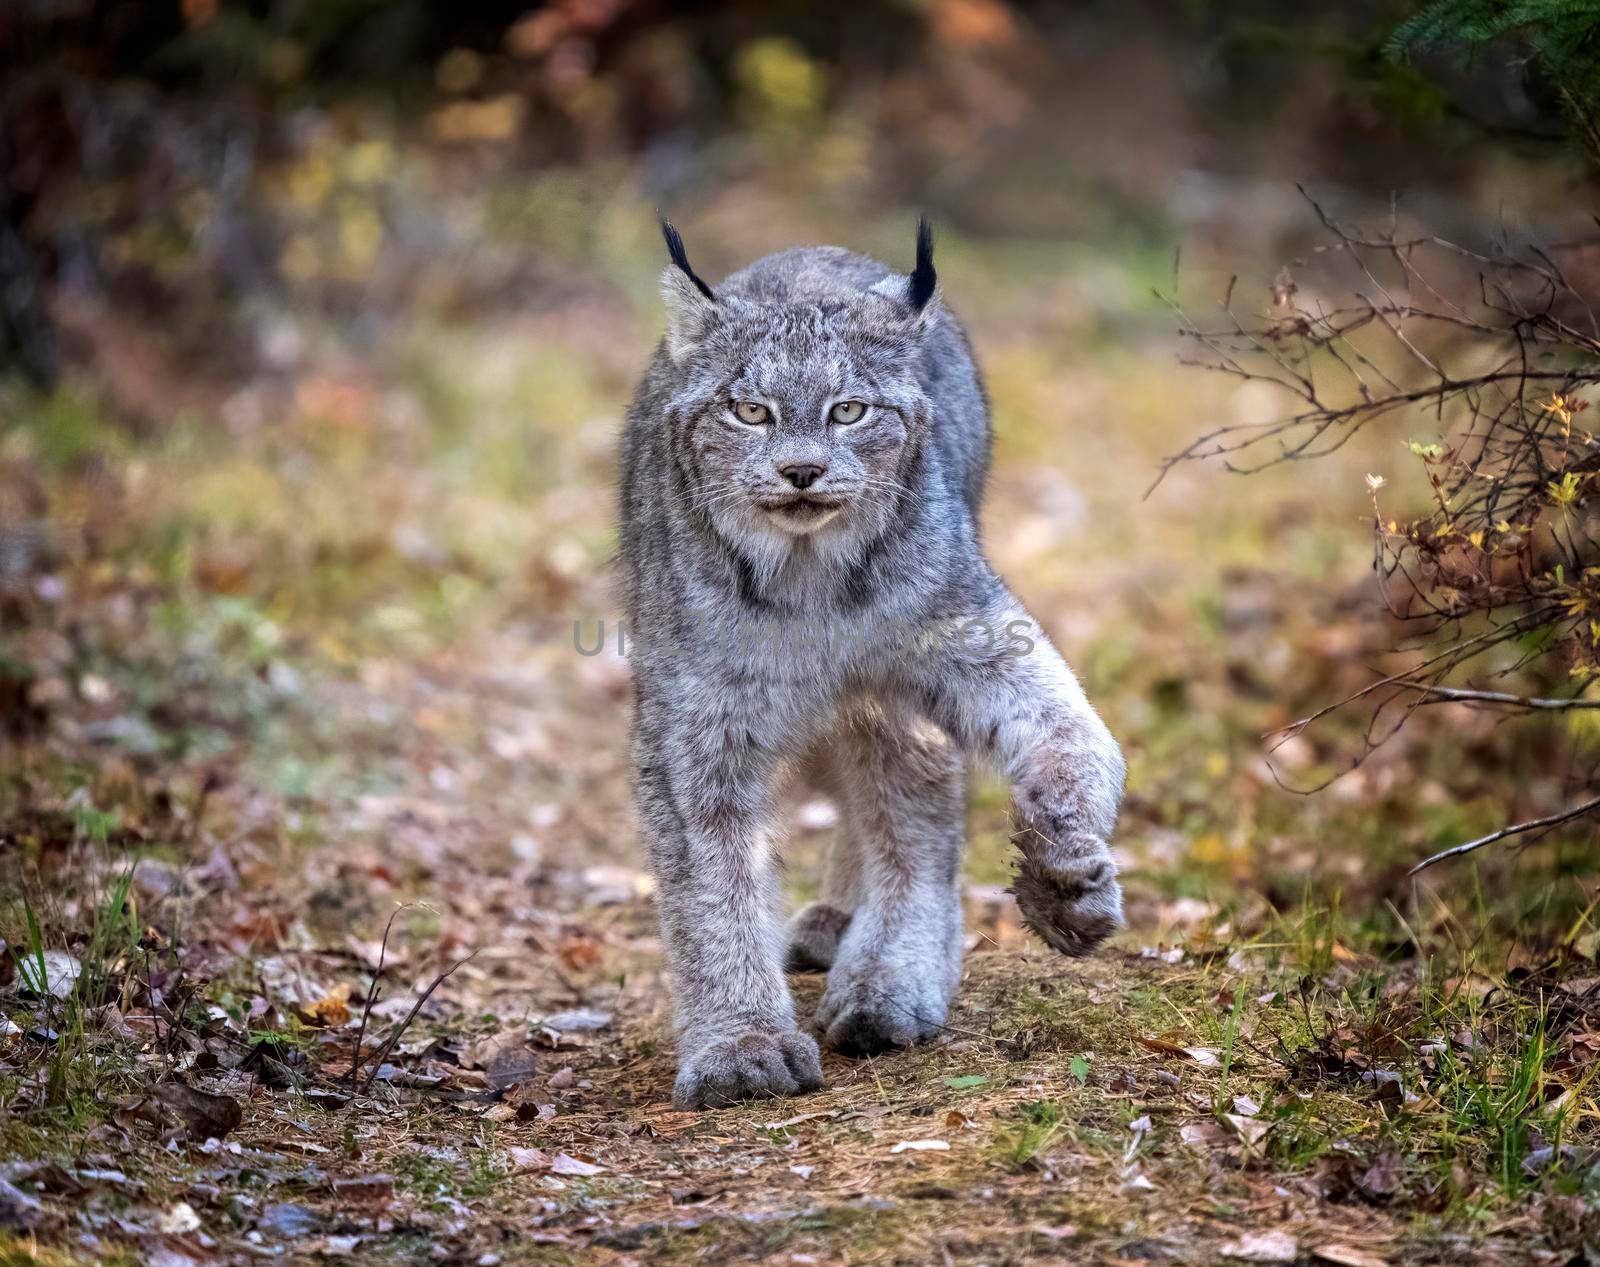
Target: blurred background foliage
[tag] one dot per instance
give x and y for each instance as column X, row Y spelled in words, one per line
column 202, row 160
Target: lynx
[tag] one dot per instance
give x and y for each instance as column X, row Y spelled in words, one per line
column 803, row 467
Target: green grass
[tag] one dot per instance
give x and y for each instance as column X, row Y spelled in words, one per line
column 1042, row 1123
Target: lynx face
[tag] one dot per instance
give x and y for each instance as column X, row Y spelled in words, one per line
column 795, row 420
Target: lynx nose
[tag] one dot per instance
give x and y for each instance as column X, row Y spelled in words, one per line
column 802, row 475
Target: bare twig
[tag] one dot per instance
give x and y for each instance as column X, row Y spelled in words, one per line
column 1517, row 829
column 1492, row 350
column 388, row 1044
column 372, row 996
column 1450, row 693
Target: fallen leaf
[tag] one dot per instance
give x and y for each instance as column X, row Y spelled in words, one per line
column 330, row 1011
column 579, row 951
column 921, row 1146
column 172, row 1253
column 204, row 1116
column 1203, row 1134
column 505, row 1058
column 612, row 885
column 1168, row 1046
column 530, row 1159
column 1382, row 1177
column 1347, row 1256
column 582, row 1020
column 1263, row 1247
column 967, row 1081
column 568, row 1165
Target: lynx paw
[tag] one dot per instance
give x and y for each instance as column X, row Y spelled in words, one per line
column 873, row 1007
column 753, row 1066
column 814, row 935
column 1074, row 907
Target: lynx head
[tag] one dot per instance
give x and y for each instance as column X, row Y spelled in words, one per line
column 798, row 419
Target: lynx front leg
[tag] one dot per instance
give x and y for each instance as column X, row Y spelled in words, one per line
column 1010, row 697
column 899, row 960
column 703, row 797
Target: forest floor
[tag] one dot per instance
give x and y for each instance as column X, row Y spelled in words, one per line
column 1198, row 1092
column 293, row 713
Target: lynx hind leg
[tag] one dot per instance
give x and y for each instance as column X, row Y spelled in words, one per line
column 816, row 929
column 814, row 935
column 899, row 960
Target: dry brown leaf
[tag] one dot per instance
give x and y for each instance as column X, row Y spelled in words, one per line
column 1206, row 1134
column 1168, row 1045
column 330, row 1011
column 204, row 1116
column 579, row 951
column 529, row 1159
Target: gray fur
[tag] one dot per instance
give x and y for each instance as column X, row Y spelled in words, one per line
column 724, row 716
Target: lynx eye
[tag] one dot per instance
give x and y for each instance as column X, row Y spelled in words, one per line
column 847, row 411
column 751, row 413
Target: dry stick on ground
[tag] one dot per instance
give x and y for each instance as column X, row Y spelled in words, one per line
column 1517, row 829
column 388, row 1044
column 372, row 996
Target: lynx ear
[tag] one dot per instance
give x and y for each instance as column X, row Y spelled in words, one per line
column 691, row 304
column 919, row 287
column 915, row 290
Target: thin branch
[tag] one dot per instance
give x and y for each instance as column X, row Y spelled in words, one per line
column 388, row 1044
column 1452, row 693
column 372, row 996
column 1554, row 820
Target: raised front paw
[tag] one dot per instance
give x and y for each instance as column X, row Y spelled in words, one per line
column 1073, row 905
column 754, row 1066
column 872, row 1006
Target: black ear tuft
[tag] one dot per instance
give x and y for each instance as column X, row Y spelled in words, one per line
column 923, row 278
column 681, row 258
